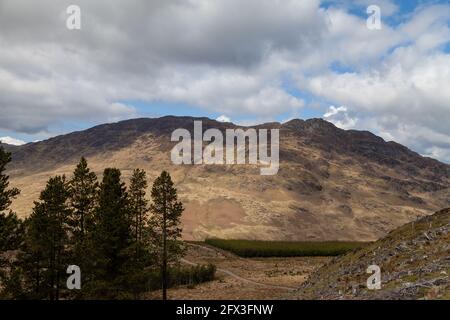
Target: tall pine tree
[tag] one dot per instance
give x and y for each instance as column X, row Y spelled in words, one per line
column 83, row 189
column 11, row 231
column 138, row 208
column 6, row 193
column 9, row 223
column 83, row 193
column 165, row 224
column 139, row 252
column 111, row 237
column 44, row 253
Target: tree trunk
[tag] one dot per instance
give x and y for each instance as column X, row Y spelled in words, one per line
column 164, row 266
column 52, row 270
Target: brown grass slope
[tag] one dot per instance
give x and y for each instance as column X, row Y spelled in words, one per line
column 332, row 184
column 414, row 261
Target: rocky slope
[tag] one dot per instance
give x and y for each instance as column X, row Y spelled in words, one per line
column 332, row 184
column 414, row 261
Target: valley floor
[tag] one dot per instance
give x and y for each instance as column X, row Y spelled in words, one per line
column 244, row 278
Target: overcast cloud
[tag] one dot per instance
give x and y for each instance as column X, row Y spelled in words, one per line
column 231, row 58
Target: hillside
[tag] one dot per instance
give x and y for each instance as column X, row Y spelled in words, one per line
column 7, row 147
column 414, row 261
column 332, row 184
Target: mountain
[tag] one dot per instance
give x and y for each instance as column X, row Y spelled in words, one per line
column 332, row 184
column 414, row 261
column 8, row 147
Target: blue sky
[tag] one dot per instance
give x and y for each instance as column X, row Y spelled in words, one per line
column 294, row 59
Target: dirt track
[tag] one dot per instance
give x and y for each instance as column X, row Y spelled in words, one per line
column 240, row 278
column 237, row 277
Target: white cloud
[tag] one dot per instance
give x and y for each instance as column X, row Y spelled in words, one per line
column 438, row 153
column 404, row 95
column 227, row 57
column 203, row 53
column 223, row 118
column 388, row 7
column 340, row 118
column 11, row 141
column 398, row 95
column 332, row 110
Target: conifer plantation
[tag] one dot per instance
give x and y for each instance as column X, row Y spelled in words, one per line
column 123, row 245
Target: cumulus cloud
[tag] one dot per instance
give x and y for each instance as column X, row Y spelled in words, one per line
column 387, row 7
column 340, row 118
column 223, row 118
column 208, row 54
column 332, row 111
column 437, row 153
column 403, row 96
column 12, row 141
column 227, row 57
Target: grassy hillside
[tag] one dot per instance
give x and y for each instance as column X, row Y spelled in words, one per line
column 414, row 261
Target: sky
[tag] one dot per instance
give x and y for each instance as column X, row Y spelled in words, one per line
column 247, row 62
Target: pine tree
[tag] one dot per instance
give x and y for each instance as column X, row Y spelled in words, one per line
column 33, row 257
column 139, row 252
column 44, row 253
column 83, row 192
column 165, row 224
column 111, row 237
column 6, row 194
column 138, row 207
column 83, row 189
column 11, row 236
column 9, row 223
column 11, row 231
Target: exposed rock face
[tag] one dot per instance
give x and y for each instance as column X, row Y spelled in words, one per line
column 332, row 184
column 414, row 261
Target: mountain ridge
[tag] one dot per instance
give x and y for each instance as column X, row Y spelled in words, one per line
column 316, row 123
column 332, row 184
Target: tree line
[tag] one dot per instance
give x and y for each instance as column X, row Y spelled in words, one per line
column 122, row 244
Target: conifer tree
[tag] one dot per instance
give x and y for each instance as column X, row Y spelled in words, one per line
column 34, row 255
column 44, row 252
column 11, row 231
column 138, row 207
column 83, row 192
column 11, row 236
column 83, row 189
column 6, row 193
column 165, row 224
column 111, row 237
column 139, row 252
column 9, row 223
